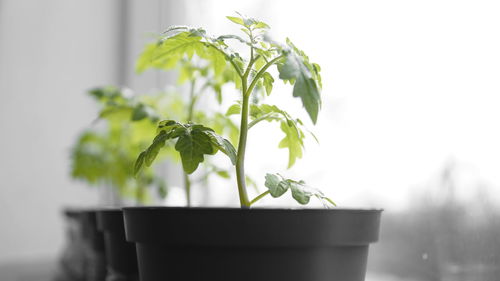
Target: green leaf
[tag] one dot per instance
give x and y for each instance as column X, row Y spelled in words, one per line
column 139, row 113
column 297, row 69
column 142, row 111
column 223, row 174
column 302, row 193
column 170, row 51
column 268, row 82
column 224, row 145
column 139, row 163
column 261, row 25
column 233, row 109
column 276, row 185
column 192, row 146
column 152, row 152
column 236, row 20
column 292, row 141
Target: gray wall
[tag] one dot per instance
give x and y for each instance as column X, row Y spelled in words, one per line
column 51, row 52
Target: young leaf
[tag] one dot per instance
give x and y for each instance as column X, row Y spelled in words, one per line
column 276, row 185
column 268, row 82
column 302, row 193
column 192, row 146
column 236, row 20
column 293, row 141
column 297, row 69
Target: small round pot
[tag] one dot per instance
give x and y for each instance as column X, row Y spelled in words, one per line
column 121, row 257
column 227, row 244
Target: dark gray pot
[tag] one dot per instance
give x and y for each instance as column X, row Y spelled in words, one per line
column 121, row 257
column 226, row 244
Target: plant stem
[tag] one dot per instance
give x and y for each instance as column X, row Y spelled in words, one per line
column 192, row 101
column 240, row 162
column 262, row 71
column 247, row 92
column 262, row 195
column 187, row 188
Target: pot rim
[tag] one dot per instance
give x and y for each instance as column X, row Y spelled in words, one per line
column 256, row 227
column 259, row 209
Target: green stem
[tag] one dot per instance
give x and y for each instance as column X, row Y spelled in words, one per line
column 187, row 188
column 262, row 195
column 240, row 162
column 261, row 72
column 192, row 102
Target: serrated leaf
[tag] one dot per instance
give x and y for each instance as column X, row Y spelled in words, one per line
column 276, row 185
column 172, row 50
column 268, row 81
column 292, row 141
column 192, row 146
column 300, row 192
column 297, row 69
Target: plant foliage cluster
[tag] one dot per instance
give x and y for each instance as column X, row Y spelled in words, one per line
column 195, row 139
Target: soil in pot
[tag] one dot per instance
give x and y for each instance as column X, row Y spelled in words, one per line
column 224, row 244
column 121, row 256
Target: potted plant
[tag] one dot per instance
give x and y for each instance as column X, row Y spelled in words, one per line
column 104, row 155
column 246, row 243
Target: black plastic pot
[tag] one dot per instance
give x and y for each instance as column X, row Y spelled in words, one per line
column 121, row 257
column 94, row 246
column 82, row 258
column 71, row 266
column 224, row 244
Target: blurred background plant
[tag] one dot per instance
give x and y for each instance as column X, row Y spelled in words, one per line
column 104, row 155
